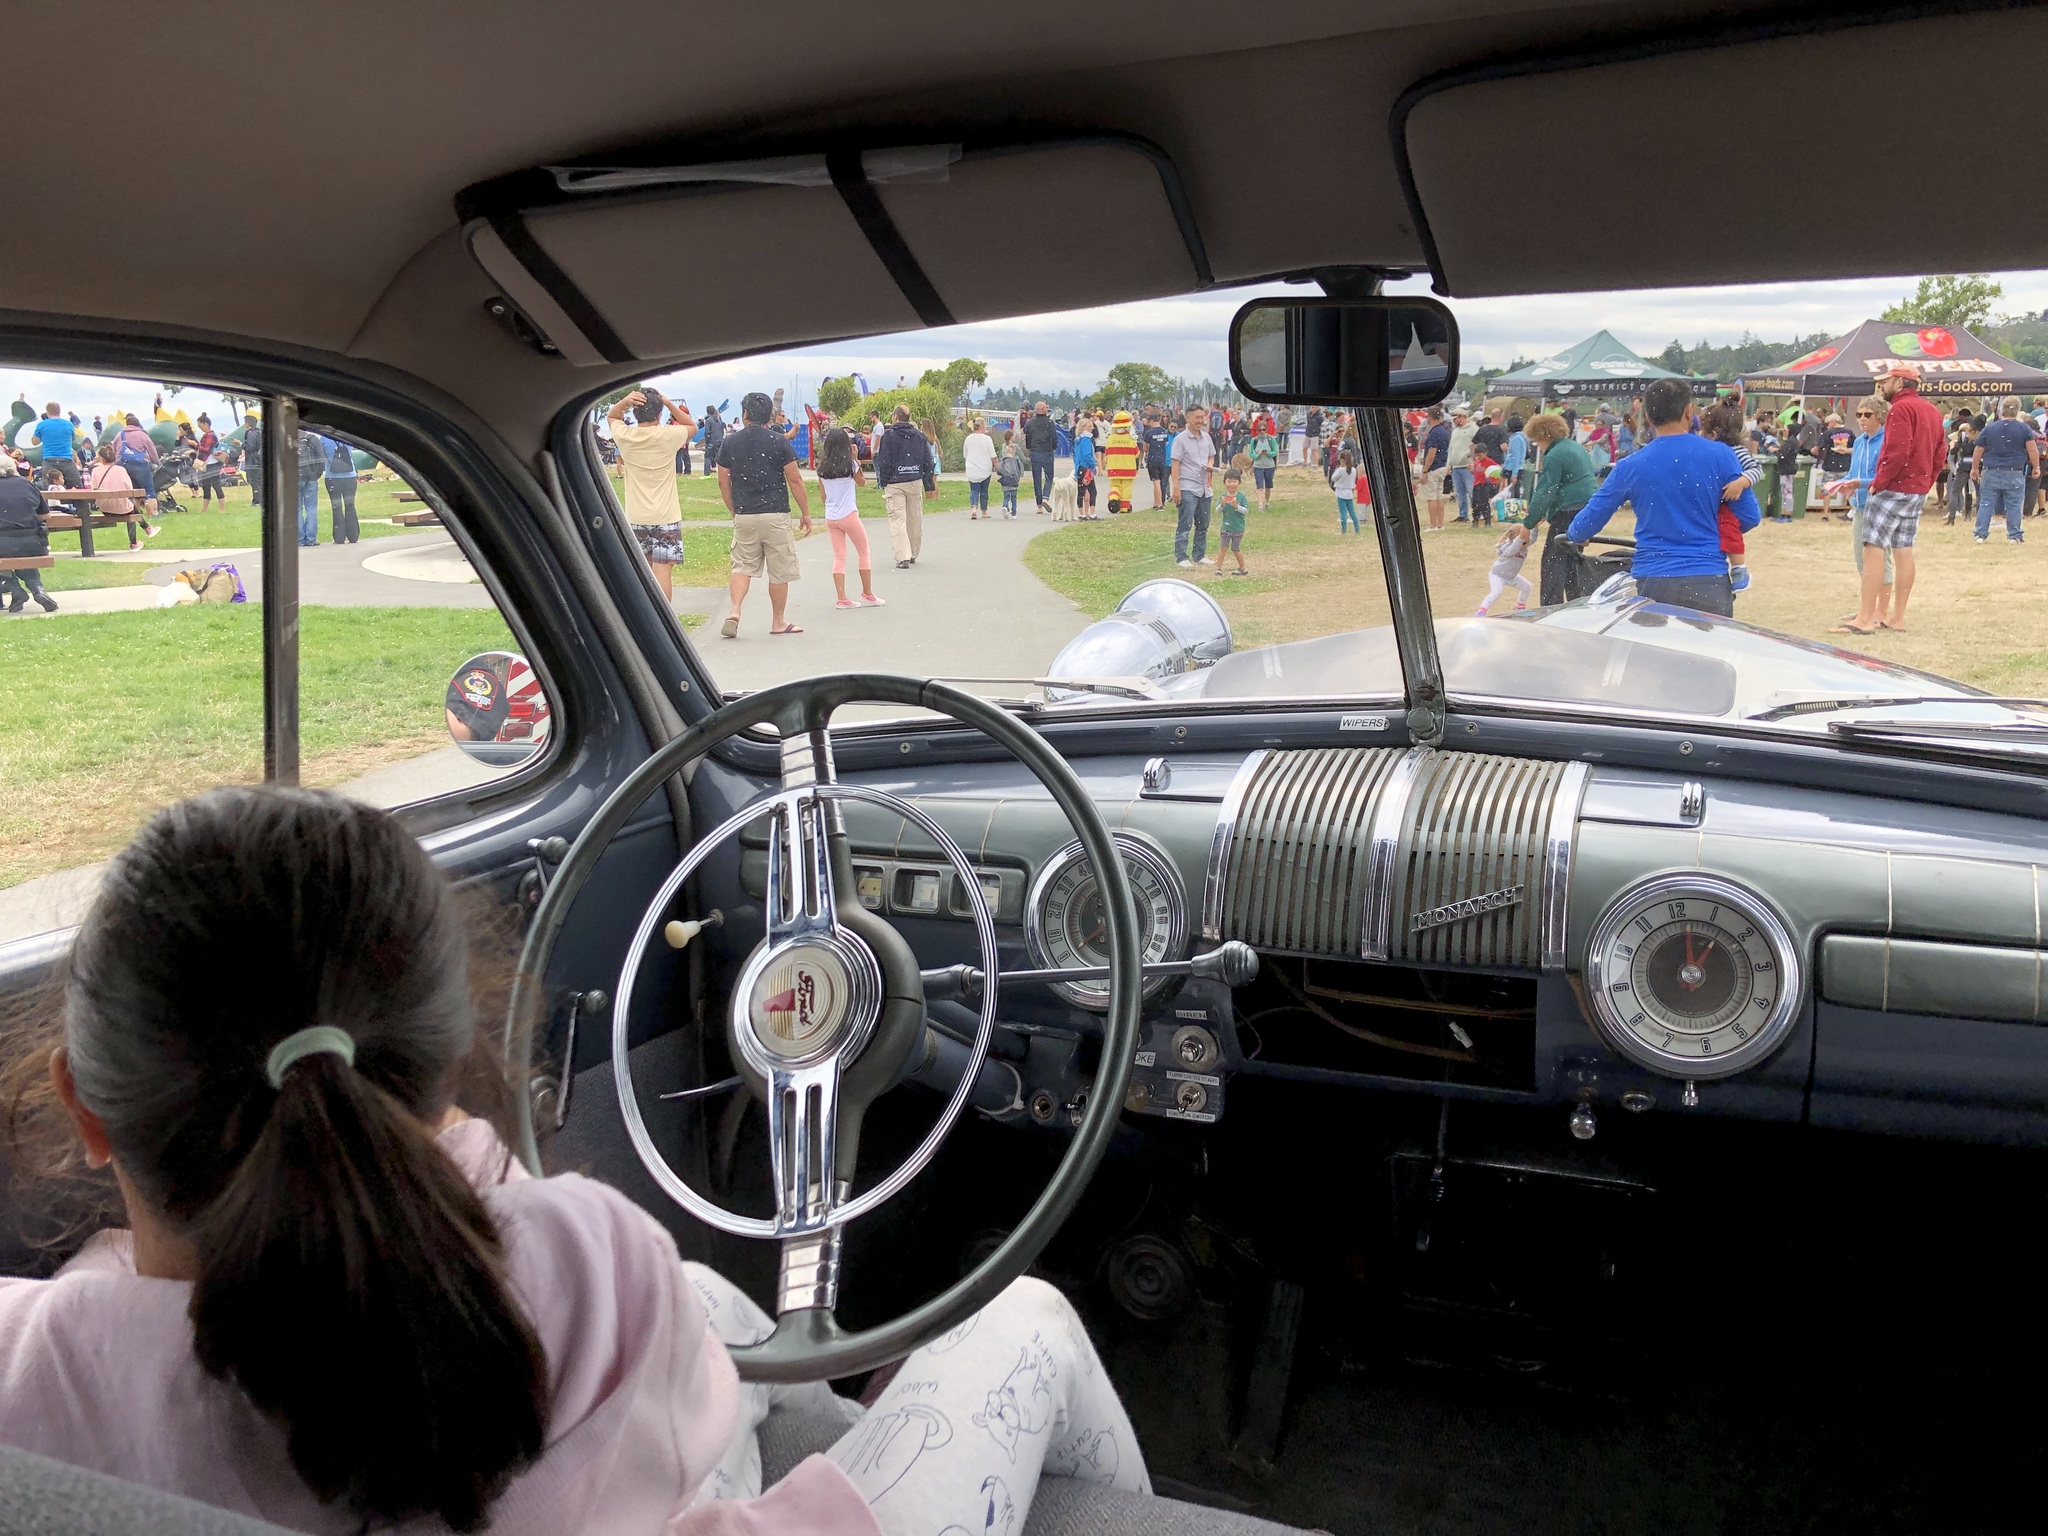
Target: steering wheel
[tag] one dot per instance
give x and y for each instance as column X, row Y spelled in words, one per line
column 828, row 1011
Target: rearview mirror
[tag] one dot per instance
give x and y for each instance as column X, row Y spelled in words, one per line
column 1357, row 352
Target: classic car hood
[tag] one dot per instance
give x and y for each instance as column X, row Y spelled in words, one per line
column 1632, row 655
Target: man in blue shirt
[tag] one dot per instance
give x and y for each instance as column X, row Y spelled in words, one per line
column 2007, row 456
column 1676, row 482
column 59, row 440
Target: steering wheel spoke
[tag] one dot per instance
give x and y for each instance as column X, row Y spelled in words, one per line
column 803, row 1137
column 801, row 899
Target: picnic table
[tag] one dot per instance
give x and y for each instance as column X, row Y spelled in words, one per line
column 425, row 518
column 64, row 521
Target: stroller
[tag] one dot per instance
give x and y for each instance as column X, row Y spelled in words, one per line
column 174, row 469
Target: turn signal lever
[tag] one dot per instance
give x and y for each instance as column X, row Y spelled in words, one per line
column 1233, row 962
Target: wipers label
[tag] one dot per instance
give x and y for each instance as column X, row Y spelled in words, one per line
column 1471, row 906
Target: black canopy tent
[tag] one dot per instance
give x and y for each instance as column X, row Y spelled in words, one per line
column 1951, row 361
column 1597, row 368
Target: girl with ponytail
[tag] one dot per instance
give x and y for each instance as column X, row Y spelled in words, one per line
column 339, row 1306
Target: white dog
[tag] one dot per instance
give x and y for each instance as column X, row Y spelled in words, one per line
column 1065, row 499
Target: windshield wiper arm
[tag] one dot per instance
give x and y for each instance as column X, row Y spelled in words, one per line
column 1997, row 730
column 1115, row 687
column 1885, row 701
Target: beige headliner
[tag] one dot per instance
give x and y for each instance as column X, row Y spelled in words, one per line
column 286, row 174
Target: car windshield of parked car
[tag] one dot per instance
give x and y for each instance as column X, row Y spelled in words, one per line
column 1795, row 507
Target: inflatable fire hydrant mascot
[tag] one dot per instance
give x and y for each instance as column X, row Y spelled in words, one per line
column 1120, row 461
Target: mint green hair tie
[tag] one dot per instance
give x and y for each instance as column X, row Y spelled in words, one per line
column 315, row 1041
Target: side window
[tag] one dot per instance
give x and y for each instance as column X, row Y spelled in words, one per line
column 131, row 579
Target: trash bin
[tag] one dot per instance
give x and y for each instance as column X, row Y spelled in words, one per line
column 1800, row 481
column 1769, row 492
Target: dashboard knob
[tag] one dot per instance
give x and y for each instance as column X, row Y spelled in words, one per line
column 1583, row 1124
column 1233, row 962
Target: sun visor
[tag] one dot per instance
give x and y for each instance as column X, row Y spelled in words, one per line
column 1710, row 162
column 620, row 262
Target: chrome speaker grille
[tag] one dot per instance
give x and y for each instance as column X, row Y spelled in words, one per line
column 1474, row 828
column 1299, row 847
column 1339, row 851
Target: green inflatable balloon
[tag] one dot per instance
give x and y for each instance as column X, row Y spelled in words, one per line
column 164, row 434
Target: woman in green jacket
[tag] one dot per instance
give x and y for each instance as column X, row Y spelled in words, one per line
column 1564, row 484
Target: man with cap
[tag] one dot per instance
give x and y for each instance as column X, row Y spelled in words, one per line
column 1914, row 449
column 1460, row 459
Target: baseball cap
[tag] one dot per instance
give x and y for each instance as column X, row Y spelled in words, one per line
column 1902, row 370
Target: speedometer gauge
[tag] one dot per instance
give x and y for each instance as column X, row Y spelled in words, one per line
column 1066, row 921
column 1693, row 976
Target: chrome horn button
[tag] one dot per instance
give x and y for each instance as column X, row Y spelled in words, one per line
column 807, row 999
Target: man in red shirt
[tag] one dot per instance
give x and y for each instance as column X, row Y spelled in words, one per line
column 1914, row 449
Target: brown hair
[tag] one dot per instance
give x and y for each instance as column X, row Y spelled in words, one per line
column 349, row 1278
column 1724, row 423
column 1545, row 428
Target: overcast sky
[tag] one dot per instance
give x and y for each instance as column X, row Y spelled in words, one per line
column 1186, row 337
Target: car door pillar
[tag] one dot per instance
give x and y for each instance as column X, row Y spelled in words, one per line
column 280, row 589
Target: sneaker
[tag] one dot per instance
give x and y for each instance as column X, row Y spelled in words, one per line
column 869, row 600
column 902, row 565
column 1184, row 564
column 1738, row 578
column 1983, row 538
column 49, row 603
column 1240, row 573
column 2016, row 538
column 844, row 602
column 1521, row 607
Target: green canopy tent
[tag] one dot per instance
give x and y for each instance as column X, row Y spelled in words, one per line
column 1597, row 368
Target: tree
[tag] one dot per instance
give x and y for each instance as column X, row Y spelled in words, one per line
column 955, row 379
column 838, row 396
column 1959, row 301
column 1131, row 384
column 1673, row 356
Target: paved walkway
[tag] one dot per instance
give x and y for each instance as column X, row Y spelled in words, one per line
column 967, row 608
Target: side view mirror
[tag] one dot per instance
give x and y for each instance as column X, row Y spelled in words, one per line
column 497, row 712
column 1397, row 352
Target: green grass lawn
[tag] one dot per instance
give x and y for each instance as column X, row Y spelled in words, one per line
column 112, row 715
column 239, row 527
column 1305, row 578
column 82, row 575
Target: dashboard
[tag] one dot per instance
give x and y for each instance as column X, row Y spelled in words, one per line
column 1474, row 925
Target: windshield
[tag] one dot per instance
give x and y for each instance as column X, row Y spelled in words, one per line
column 1083, row 498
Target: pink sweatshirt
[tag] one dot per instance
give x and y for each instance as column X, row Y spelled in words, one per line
column 97, row 1369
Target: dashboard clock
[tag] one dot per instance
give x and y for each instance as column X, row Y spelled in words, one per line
column 1693, row 976
column 1065, row 924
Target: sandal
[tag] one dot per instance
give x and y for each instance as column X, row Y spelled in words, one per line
column 730, row 629
column 788, row 629
column 1854, row 629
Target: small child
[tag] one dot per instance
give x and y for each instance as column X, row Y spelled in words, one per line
column 1233, row 507
column 1724, row 424
column 1009, row 473
column 1485, row 486
column 1344, row 481
column 1508, row 556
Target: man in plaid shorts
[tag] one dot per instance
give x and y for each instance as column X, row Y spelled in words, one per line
column 1914, row 448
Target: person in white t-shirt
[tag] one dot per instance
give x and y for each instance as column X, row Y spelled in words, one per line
column 840, row 477
column 978, row 453
column 647, row 454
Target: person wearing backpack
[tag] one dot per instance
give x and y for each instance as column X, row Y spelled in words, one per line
column 136, row 455
column 341, row 492
column 252, row 457
column 312, row 469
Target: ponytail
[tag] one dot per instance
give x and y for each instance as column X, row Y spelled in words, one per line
column 351, row 1283
column 349, row 1280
